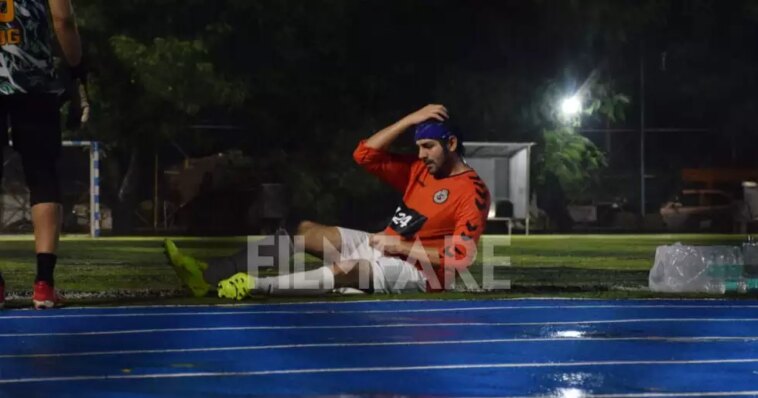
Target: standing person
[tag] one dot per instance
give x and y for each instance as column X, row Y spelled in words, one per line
column 29, row 109
column 433, row 231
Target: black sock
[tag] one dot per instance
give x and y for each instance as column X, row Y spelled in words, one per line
column 45, row 267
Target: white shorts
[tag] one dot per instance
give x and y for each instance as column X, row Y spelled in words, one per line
column 391, row 274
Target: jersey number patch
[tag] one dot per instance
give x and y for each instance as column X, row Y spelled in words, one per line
column 7, row 11
column 406, row 221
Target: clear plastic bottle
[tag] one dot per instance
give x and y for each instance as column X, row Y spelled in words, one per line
column 750, row 255
column 725, row 265
column 743, row 286
column 737, row 275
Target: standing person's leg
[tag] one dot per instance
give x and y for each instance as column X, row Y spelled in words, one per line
column 3, row 144
column 36, row 132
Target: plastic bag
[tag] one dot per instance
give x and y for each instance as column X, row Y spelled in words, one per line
column 698, row 269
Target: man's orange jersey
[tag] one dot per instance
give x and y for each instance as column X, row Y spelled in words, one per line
column 433, row 209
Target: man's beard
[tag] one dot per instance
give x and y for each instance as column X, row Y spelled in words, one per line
column 444, row 169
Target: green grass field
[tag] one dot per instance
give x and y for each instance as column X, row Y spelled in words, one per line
column 119, row 270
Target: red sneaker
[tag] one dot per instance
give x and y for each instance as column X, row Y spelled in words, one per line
column 45, row 296
column 2, row 295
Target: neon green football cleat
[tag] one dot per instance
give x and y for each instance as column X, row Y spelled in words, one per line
column 237, row 287
column 188, row 269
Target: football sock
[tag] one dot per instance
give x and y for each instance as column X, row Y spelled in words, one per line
column 46, row 267
column 314, row 282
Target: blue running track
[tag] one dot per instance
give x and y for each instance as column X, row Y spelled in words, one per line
column 553, row 347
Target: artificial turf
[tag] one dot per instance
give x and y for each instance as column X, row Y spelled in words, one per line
column 133, row 269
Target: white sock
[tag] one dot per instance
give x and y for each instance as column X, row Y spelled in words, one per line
column 314, row 282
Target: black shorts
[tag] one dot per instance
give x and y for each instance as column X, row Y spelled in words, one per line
column 35, row 128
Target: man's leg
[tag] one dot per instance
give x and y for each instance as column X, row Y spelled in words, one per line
column 37, row 137
column 3, row 144
column 350, row 269
column 350, row 265
column 321, row 240
column 273, row 247
column 356, row 274
column 202, row 276
column 47, row 220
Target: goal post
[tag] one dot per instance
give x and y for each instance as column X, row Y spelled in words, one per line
column 94, row 186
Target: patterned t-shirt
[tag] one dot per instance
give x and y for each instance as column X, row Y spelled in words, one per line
column 26, row 60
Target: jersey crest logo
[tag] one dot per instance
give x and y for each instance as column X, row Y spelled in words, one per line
column 441, row 196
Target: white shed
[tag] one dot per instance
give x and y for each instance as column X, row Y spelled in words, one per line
column 504, row 167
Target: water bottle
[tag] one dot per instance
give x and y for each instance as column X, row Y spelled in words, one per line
column 724, row 266
column 730, row 272
column 742, row 286
column 750, row 254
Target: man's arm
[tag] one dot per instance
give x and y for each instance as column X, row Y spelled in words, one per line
column 382, row 140
column 67, row 33
column 64, row 24
column 394, row 169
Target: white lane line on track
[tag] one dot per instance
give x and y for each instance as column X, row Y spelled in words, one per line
column 378, row 326
column 571, row 392
column 379, row 301
column 376, row 369
column 396, row 311
column 703, row 339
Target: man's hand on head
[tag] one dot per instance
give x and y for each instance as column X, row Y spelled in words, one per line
column 429, row 112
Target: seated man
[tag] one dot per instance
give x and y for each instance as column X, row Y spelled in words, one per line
column 433, row 231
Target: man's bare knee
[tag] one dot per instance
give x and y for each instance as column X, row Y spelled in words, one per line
column 321, row 240
column 310, row 231
column 305, row 226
